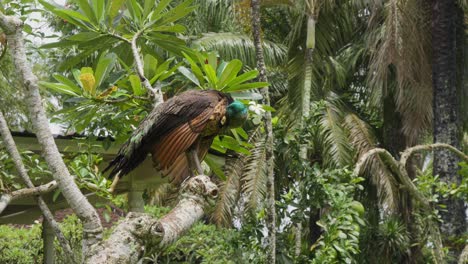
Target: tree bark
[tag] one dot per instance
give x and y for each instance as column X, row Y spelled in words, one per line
column 92, row 228
column 138, row 231
column 446, row 116
column 271, row 215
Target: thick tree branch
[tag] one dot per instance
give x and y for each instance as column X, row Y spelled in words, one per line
column 138, row 231
column 15, row 155
column 92, row 229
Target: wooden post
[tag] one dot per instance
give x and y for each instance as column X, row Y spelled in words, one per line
column 48, row 240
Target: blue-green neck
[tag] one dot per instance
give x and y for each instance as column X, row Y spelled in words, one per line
column 236, row 114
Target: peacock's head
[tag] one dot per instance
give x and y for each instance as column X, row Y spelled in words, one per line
column 236, row 114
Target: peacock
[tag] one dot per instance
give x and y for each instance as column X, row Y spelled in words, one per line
column 178, row 134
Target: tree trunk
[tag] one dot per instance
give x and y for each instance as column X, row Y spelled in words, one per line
column 446, row 115
column 271, row 215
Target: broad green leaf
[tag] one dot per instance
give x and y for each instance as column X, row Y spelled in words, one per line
column 87, row 70
column 67, row 82
column 135, row 10
column 150, row 65
column 99, row 7
column 243, row 78
column 195, row 69
column 211, row 75
column 59, row 44
column 74, row 14
column 177, row 13
column 59, row 87
column 187, row 73
column 220, row 69
column 230, row 72
column 159, row 8
column 246, row 86
column 212, row 59
column 104, row 66
column 232, row 144
column 114, row 8
column 136, row 85
column 166, row 74
column 87, row 10
column 84, row 36
column 147, row 7
column 216, row 165
column 171, row 28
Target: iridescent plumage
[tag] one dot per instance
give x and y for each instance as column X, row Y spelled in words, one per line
column 183, row 125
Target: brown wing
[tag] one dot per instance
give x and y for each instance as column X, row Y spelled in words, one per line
column 170, row 147
column 179, row 170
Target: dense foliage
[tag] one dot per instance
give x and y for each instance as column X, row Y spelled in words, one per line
column 344, row 77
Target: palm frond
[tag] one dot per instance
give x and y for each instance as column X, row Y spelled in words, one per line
column 229, row 192
column 239, row 46
column 254, row 177
column 363, row 139
column 401, row 47
column 336, row 148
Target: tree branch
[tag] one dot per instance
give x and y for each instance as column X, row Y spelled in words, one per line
column 396, row 167
column 15, row 155
column 154, row 92
column 92, row 228
column 27, row 192
column 137, row 231
column 410, row 151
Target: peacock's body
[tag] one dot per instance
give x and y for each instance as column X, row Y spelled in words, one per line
column 179, row 132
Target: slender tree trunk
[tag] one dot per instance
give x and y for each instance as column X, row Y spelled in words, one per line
column 271, row 219
column 446, row 114
column 92, row 228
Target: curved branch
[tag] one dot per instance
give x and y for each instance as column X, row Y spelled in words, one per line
column 396, row 167
column 410, row 151
column 128, row 241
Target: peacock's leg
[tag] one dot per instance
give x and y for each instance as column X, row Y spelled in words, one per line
column 196, row 160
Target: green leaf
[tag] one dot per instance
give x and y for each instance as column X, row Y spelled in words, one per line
column 84, row 36
column 243, row 78
column 135, row 10
column 77, row 16
column 150, row 65
column 211, row 75
column 171, row 28
column 215, row 166
column 104, row 66
column 136, row 85
column 230, row 72
column 159, row 8
column 84, row 5
column 67, row 82
column 115, row 7
column 147, row 7
column 247, row 86
column 177, row 13
column 195, row 69
column 232, row 144
column 99, row 7
column 59, row 87
column 187, row 73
